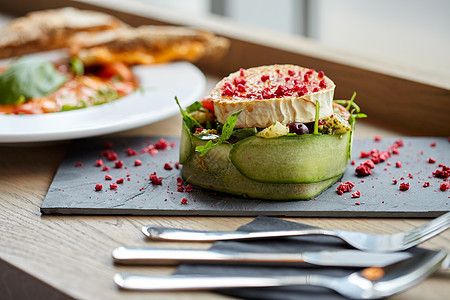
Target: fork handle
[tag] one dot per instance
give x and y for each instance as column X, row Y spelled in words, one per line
column 194, row 282
column 174, row 234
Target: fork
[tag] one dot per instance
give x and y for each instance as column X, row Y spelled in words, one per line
column 370, row 283
column 362, row 241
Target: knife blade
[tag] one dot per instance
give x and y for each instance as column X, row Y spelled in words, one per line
column 341, row 258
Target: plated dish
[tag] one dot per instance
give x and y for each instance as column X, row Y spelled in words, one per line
column 151, row 102
column 269, row 132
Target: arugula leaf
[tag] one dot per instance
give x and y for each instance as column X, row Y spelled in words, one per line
column 77, row 66
column 29, row 77
column 227, row 130
column 194, row 106
column 189, row 121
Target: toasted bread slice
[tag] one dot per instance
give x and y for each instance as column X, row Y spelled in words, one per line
column 147, row 45
column 283, row 93
column 50, row 29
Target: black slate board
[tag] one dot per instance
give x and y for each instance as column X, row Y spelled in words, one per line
column 72, row 190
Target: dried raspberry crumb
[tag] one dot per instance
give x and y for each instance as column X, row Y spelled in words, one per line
column 431, row 160
column 398, row 143
column 179, row 181
column 98, row 187
column 394, row 181
column 99, row 162
column 443, row 173
column 395, row 151
column 377, row 138
column 444, row 186
column 369, row 163
column 404, row 186
column 433, row 144
column 79, row 164
column 105, row 168
column 184, row 201
column 177, row 165
column 131, row 152
column 161, row 144
column 120, row 180
column 108, row 145
column 180, row 189
column 363, row 170
column 357, row 203
column 264, row 78
column 398, row 164
column 155, row 179
column 108, row 177
column 188, row 188
column 113, row 186
column 111, row 155
column 426, row 184
column 356, row 194
column 364, row 154
column 345, row 187
column 353, row 162
column 137, row 162
column 118, row 164
column 167, row 166
column 320, row 74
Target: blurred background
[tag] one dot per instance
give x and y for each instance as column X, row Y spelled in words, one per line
column 411, row 33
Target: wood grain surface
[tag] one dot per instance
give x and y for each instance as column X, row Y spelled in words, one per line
column 58, row 257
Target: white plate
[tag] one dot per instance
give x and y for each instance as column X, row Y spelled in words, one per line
column 154, row 101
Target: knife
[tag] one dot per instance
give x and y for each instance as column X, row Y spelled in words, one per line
column 341, row 258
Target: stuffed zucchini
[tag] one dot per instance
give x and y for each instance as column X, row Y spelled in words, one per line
column 271, row 132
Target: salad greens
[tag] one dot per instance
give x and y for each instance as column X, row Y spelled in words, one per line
column 27, row 78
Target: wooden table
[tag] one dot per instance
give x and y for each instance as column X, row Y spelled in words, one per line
column 70, row 256
column 58, row 257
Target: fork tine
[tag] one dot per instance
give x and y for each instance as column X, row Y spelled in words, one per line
column 428, row 230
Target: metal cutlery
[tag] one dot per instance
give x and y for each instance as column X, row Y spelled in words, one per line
column 342, row 258
column 370, row 283
column 362, row 241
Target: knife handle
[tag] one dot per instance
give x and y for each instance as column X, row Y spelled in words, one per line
column 137, row 255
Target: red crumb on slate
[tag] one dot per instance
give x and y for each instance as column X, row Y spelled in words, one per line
column 162, row 144
column 404, row 186
column 345, row 187
column 167, row 166
column 180, row 189
column 377, row 138
column 179, row 181
column 357, row 203
column 131, row 152
column 137, row 162
column 184, row 201
column 444, row 186
column 105, row 168
column 155, row 179
column 108, row 177
column 120, row 180
column 118, row 164
column 188, row 188
column 79, row 164
column 426, row 184
column 398, row 164
column 431, row 160
column 433, row 144
column 444, row 172
column 356, row 194
column 108, row 145
column 98, row 187
column 177, row 165
column 113, row 186
column 99, row 162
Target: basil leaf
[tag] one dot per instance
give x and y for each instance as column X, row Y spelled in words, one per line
column 194, row 106
column 77, row 66
column 29, row 77
column 187, row 119
column 227, row 130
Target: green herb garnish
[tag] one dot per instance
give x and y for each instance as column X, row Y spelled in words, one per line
column 316, row 120
column 193, row 107
column 77, row 66
column 27, row 78
column 227, row 130
column 187, row 118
